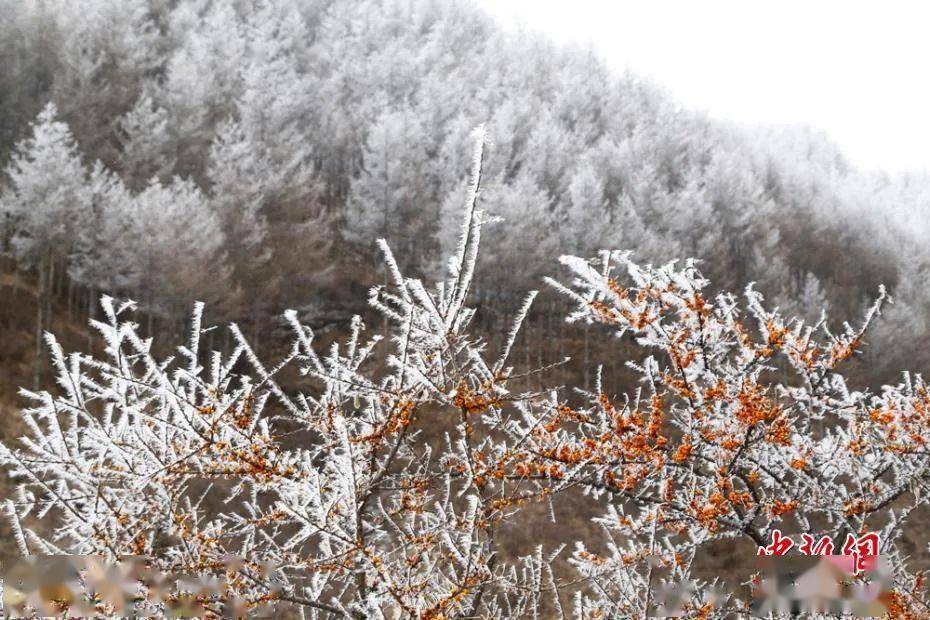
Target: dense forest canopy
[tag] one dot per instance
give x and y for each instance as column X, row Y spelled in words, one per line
column 247, row 153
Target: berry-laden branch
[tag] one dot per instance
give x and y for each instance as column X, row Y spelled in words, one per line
column 383, row 482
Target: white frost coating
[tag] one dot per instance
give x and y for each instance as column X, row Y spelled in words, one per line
column 318, row 463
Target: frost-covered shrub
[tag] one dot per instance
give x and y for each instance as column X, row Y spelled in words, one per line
column 742, row 423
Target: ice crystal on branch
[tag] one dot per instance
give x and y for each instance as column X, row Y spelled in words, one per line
column 383, row 483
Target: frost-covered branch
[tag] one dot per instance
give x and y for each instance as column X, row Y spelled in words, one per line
column 382, row 480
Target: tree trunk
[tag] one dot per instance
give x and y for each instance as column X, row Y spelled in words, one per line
column 91, row 312
column 565, row 367
column 70, row 300
column 526, row 351
column 49, row 289
column 13, row 294
column 40, row 319
column 255, row 323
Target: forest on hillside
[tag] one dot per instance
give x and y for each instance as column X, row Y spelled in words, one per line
column 248, row 154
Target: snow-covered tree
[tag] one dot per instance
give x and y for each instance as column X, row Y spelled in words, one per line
column 150, row 88
column 241, row 179
column 108, row 51
column 103, row 256
column 178, row 247
column 588, row 206
column 29, row 38
column 46, row 198
column 148, row 150
column 203, row 76
column 391, row 197
column 807, row 302
column 46, row 194
column 275, row 90
column 525, row 209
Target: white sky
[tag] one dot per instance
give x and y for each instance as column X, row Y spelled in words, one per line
column 859, row 70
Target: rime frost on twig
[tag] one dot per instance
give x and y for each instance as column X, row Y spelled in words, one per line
column 377, row 478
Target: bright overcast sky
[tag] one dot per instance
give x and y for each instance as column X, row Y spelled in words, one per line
column 859, row 70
